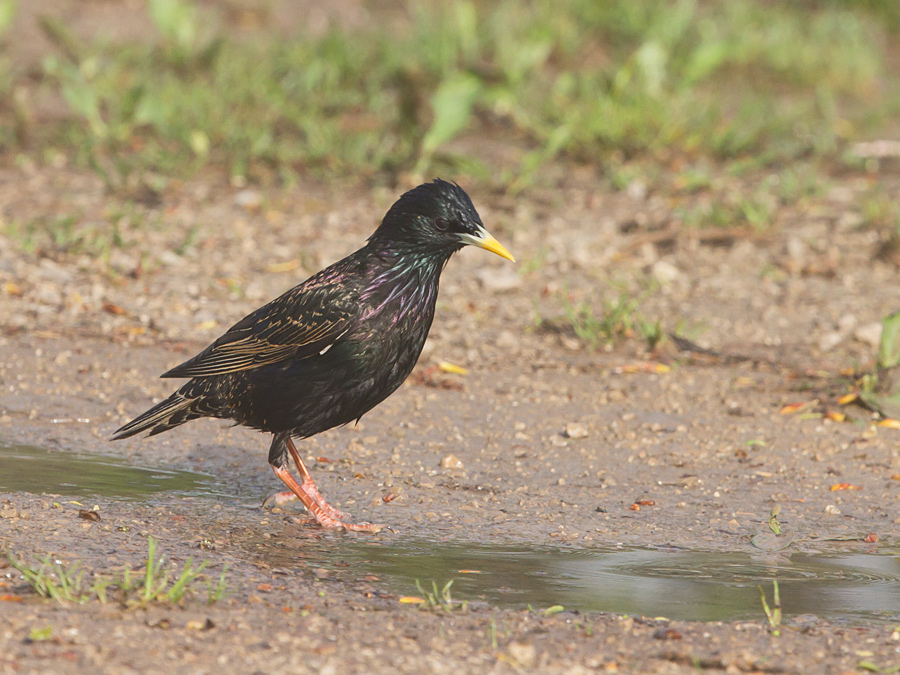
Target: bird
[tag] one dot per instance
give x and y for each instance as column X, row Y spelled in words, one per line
column 327, row 351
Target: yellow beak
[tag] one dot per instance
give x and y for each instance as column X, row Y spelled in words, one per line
column 487, row 241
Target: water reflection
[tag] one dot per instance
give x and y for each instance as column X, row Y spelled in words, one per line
column 35, row 470
column 688, row 585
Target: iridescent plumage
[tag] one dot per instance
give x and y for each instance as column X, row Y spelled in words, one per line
column 329, row 350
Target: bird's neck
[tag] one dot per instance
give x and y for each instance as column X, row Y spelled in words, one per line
column 406, row 282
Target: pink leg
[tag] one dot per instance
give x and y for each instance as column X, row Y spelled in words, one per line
column 286, row 497
column 309, row 487
column 317, row 511
column 309, row 495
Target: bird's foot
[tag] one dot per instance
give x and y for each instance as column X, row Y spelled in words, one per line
column 282, row 499
column 290, row 500
column 331, row 523
column 324, row 514
column 310, row 488
column 335, row 517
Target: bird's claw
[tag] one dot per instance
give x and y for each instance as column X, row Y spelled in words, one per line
column 290, row 500
column 332, row 524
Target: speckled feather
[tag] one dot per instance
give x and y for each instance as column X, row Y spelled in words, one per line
column 329, row 350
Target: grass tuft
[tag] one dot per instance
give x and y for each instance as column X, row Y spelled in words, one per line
column 68, row 583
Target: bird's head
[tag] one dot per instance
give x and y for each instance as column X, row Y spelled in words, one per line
column 435, row 218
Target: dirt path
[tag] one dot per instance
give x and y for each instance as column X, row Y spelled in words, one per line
column 559, row 444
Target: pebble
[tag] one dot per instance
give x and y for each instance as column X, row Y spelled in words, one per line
column 248, row 199
column 830, row 340
column 832, row 510
column 576, row 430
column 637, row 190
column 499, row 279
column 523, row 653
column 869, row 333
column 507, row 341
column 451, row 462
column 665, row 272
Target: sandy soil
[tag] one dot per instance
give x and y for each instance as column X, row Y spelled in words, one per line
column 704, row 442
column 545, row 442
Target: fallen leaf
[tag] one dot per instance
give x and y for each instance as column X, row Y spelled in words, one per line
column 890, row 423
column 635, row 507
column 265, row 588
column 12, row 289
column 871, row 538
column 643, row 367
column 411, row 600
column 792, row 408
column 848, row 398
column 835, row 416
column 446, row 367
column 111, row 308
column 88, row 515
column 844, row 486
column 469, row 571
column 323, row 460
column 387, row 499
column 11, row 597
column 645, row 502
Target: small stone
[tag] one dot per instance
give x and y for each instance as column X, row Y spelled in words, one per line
column 248, row 199
column 832, row 510
column 170, row 258
column 507, row 341
column 637, row 190
column 665, row 272
column 570, row 343
column 576, row 430
column 7, row 513
column 523, row 653
column 830, row 340
column 499, row 279
column 451, row 462
column 869, row 333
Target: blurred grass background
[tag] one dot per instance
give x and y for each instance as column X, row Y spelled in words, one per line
column 497, row 91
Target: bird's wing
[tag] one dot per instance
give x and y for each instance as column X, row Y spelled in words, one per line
column 303, row 322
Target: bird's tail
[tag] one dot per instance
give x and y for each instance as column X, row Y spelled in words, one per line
column 175, row 410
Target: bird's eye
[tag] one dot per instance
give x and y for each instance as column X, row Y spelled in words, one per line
column 442, row 224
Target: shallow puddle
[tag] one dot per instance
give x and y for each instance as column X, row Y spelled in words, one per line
column 29, row 469
column 838, row 585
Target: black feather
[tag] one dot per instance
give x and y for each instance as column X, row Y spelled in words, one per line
column 329, row 350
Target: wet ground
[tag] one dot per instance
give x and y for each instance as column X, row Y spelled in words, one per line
column 594, row 510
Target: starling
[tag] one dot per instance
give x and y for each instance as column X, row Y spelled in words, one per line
column 329, row 350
